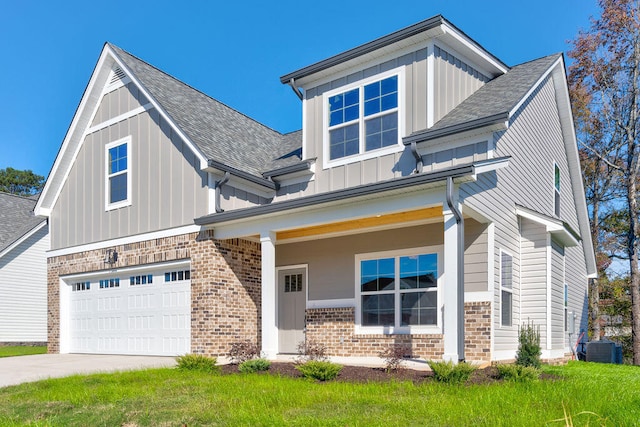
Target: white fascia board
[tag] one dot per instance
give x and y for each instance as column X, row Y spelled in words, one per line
column 573, row 159
column 75, row 135
column 553, row 226
column 490, row 166
column 125, row 240
column 23, row 238
column 203, row 159
column 534, row 87
column 464, row 42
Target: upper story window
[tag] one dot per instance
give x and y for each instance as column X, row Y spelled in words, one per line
column 362, row 118
column 556, row 192
column 118, row 174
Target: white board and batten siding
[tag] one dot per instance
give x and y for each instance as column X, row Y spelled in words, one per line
column 107, row 314
column 23, row 290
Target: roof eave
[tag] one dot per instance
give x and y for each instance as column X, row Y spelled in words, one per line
column 500, row 119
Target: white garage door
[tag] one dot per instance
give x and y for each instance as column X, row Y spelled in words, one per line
column 135, row 312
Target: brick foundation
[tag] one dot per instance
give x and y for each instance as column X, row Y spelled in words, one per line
column 334, row 327
column 225, row 285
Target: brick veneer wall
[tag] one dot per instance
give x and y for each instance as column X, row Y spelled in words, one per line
column 225, row 285
column 334, row 327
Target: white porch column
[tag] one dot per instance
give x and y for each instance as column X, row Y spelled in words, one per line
column 454, row 278
column 269, row 296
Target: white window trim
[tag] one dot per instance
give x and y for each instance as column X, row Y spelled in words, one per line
column 390, row 330
column 364, row 155
column 513, row 322
column 122, row 203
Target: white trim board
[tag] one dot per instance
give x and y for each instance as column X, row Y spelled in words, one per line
column 125, row 240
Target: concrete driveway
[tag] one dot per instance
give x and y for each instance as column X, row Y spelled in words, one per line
column 23, row 369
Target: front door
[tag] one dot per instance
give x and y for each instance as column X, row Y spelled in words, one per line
column 292, row 289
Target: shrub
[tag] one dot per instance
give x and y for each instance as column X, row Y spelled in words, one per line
column 528, row 345
column 393, row 356
column 241, row 351
column 319, row 370
column 447, row 372
column 254, row 365
column 198, row 362
column 517, row 373
column 310, row 350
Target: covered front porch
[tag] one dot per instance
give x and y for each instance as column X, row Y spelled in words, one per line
column 361, row 274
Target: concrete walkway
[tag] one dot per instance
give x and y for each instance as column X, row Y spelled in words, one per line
column 23, row 369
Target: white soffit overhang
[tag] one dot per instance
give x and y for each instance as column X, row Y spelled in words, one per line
column 560, row 230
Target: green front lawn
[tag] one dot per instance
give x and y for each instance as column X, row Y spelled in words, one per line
column 21, row 350
column 590, row 394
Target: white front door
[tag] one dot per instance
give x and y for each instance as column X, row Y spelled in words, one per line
column 292, row 290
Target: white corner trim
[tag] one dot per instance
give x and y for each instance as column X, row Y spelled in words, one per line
column 24, row 237
column 125, row 240
column 332, row 303
column 121, row 117
column 534, row 87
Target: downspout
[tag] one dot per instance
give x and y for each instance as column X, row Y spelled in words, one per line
column 414, row 151
column 218, row 186
column 292, row 83
column 460, row 273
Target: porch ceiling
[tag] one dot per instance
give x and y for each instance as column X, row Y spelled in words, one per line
column 361, row 223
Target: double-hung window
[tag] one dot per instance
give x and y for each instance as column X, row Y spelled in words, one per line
column 118, row 174
column 506, row 289
column 398, row 292
column 363, row 118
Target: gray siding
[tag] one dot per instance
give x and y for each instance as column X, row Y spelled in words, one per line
column 119, row 101
column 534, row 140
column 168, row 188
column 454, row 80
column 332, row 261
column 534, row 244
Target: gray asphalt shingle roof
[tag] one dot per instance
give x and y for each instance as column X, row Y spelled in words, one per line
column 221, row 133
column 16, row 218
column 497, row 97
column 231, row 138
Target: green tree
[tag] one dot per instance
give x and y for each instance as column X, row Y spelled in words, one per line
column 19, row 182
column 605, row 88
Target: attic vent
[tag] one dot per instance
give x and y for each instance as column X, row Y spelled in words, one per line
column 116, row 75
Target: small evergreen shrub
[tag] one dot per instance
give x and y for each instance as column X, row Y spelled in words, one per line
column 319, row 370
column 529, row 350
column 309, row 350
column 393, row 356
column 198, row 362
column 517, row 373
column 241, row 351
column 254, row 365
column 447, row 372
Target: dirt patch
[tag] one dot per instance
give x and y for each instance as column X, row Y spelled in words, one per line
column 360, row 374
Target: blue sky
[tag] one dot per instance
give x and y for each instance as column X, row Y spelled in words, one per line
column 233, row 51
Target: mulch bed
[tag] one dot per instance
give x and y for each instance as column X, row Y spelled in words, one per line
column 359, row 374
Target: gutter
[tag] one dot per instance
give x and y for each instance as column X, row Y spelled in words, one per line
column 241, row 174
column 296, row 167
column 468, row 170
column 292, row 83
column 427, row 135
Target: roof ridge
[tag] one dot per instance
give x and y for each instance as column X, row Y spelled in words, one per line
column 193, row 88
column 557, row 54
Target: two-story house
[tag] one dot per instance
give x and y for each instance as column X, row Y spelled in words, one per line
column 433, row 199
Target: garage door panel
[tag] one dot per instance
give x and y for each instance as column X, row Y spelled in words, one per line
column 140, row 314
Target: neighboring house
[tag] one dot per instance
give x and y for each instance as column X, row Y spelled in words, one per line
column 432, row 199
column 24, row 240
